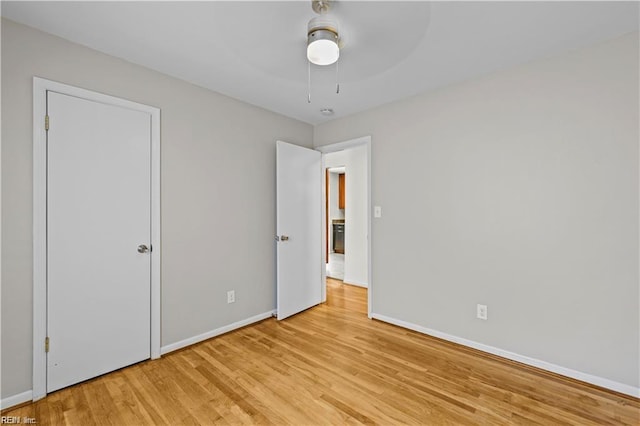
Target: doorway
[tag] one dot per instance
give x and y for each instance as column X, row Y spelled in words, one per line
column 352, row 159
column 335, row 195
column 96, row 235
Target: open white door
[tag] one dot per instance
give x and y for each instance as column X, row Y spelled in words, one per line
column 299, row 228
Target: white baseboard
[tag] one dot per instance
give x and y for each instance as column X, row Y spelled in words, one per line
column 349, row 281
column 578, row 375
column 10, row 401
column 213, row 333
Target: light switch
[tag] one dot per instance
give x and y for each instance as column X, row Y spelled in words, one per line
column 377, row 211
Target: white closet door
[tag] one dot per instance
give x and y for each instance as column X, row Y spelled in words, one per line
column 98, row 214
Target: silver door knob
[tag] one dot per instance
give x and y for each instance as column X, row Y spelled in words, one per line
column 284, row 238
column 142, row 248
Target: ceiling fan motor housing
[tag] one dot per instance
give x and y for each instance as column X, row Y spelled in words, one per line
column 322, row 23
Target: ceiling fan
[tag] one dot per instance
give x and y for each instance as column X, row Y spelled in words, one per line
column 323, row 41
column 322, row 35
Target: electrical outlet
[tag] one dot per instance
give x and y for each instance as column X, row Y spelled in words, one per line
column 231, row 296
column 481, row 312
column 377, row 211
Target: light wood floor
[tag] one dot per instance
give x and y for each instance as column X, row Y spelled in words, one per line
column 330, row 365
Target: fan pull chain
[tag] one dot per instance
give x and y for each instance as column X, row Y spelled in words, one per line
column 337, row 79
column 308, row 82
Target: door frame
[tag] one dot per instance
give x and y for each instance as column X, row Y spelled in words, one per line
column 40, row 88
column 341, row 146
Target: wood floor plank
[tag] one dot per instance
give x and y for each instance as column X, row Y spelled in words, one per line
column 331, row 365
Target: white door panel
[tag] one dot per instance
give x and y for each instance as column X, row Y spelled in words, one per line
column 98, row 213
column 299, row 219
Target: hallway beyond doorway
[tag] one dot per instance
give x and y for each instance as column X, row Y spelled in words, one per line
column 335, row 267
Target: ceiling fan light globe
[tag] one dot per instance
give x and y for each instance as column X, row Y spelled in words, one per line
column 323, row 52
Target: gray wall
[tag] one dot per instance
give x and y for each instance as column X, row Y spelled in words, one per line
column 518, row 190
column 218, row 191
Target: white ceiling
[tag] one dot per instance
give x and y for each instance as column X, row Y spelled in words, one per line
column 255, row 51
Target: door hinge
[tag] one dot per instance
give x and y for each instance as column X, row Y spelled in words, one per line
column 46, row 122
column 46, row 344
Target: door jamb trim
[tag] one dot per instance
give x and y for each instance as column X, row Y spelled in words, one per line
column 40, row 88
